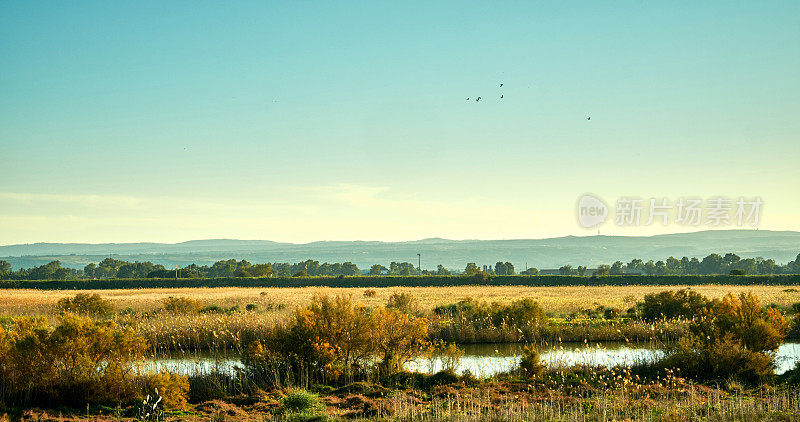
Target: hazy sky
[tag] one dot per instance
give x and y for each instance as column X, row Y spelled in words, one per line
column 300, row 121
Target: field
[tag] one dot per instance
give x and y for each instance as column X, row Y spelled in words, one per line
column 556, row 300
column 303, row 368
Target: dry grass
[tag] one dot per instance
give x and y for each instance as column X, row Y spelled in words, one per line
column 559, row 300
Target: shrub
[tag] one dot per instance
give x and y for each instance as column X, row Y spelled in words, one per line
column 370, row 293
column 449, row 353
column 404, row 302
column 398, row 338
column 523, row 312
column 732, row 337
column 334, row 337
column 78, row 361
column 86, row 304
column 611, row 313
column 301, row 401
column 530, row 366
column 172, row 388
column 182, row 305
column 251, row 307
column 442, row 378
column 212, row 309
column 671, row 305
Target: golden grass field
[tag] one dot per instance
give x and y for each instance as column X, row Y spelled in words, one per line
column 558, row 300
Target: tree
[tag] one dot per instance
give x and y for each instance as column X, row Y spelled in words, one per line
column 617, row 268
column 348, row 268
column 504, row 268
column 530, row 271
column 567, row 270
column 377, row 269
column 730, row 258
column 471, row 269
column 402, row 268
column 261, row 270
column 712, row 264
column 602, row 271
column 650, row 267
column 635, row 266
column 5, row 269
column 399, row 339
column 441, row 270
column 794, row 266
column 674, row 266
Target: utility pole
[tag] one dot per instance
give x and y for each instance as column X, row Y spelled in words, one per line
column 419, row 264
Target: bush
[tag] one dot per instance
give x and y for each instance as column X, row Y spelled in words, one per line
column 404, row 302
column 77, row 362
column 212, row 309
column 301, row 401
column 671, row 305
column 172, row 388
column 732, row 337
column 520, row 314
column 530, row 366
column 251, row 307
column 86, row 304
column 334, row 339
column 370, row 293
column 442, row 378
column 182, row 305
column 398, row 338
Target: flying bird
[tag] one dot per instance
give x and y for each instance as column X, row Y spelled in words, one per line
column 501, row 85
column 588, row 118
column 478, row 99
column 501, row 96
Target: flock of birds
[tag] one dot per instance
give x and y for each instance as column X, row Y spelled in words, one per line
column 478, row 99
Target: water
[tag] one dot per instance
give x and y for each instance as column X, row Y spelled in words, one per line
column 482, row 360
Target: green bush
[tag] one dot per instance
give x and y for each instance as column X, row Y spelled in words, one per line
column 731, row 338
column 86, row 304
column 671, row 305
column 404, row 302
column 301, row 401
column 530, row 366
column 182, row 305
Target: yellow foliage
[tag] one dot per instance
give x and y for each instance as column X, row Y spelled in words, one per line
column 172, row 388
column 80, row 359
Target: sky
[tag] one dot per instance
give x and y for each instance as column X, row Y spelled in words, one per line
column 302, row 121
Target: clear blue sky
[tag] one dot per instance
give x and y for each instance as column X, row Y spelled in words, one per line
column 299, row 121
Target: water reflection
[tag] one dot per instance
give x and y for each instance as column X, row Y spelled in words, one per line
column 482, row 360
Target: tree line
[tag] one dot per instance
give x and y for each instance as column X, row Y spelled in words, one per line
column 115, row 268
column 109, row 268
column 714, row 263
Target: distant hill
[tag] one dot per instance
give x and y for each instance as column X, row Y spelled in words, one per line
column 782, row 246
